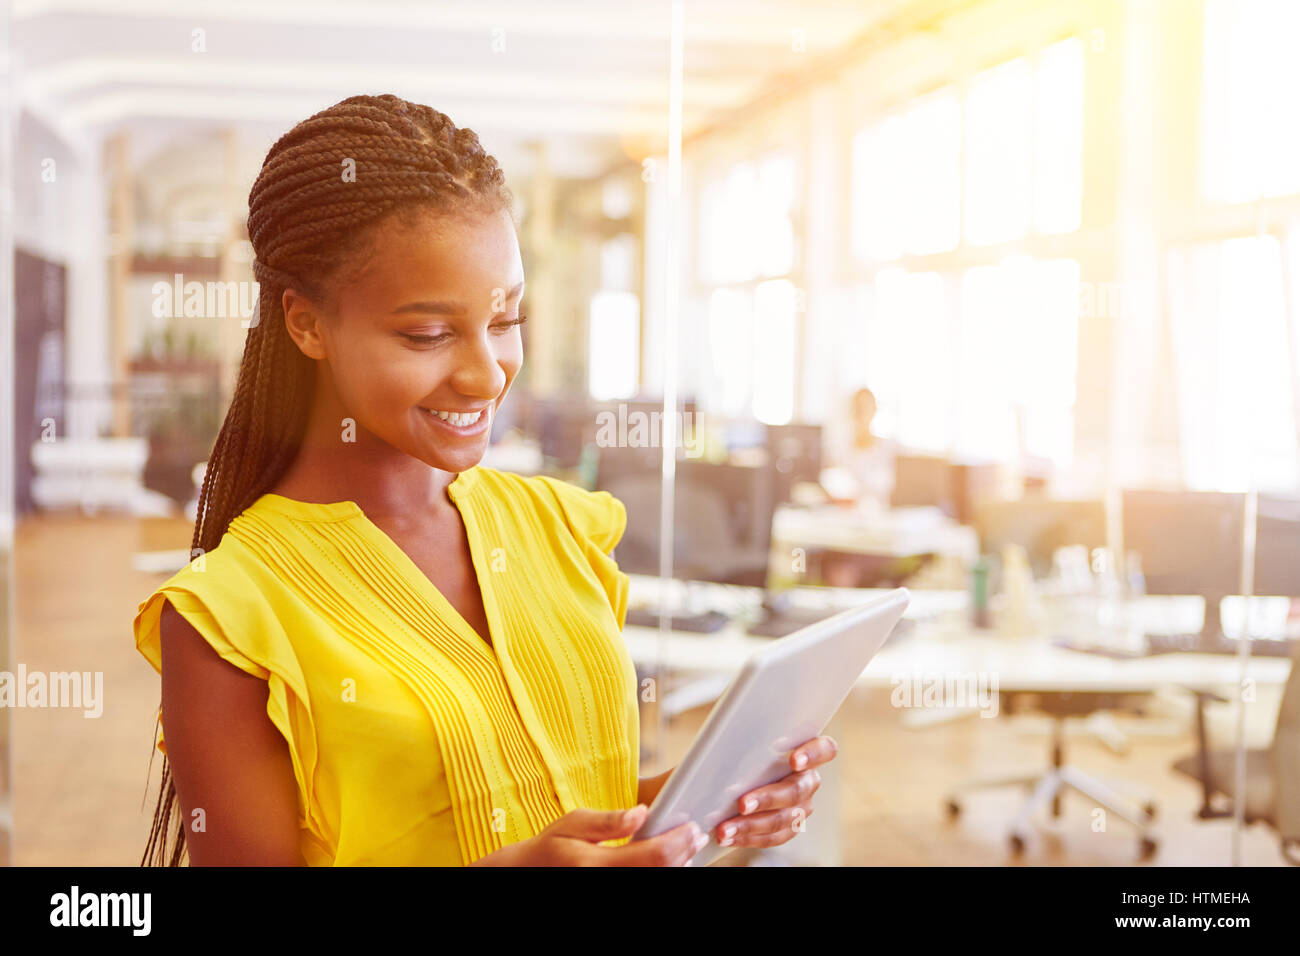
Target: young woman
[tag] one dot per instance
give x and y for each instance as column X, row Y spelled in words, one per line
column 384, row 653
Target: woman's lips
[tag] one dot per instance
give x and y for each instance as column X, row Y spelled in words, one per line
column 461, row 431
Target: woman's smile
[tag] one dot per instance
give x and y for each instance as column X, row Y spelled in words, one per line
column 458, row 424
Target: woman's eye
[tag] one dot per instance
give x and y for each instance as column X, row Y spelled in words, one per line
column 435, row 339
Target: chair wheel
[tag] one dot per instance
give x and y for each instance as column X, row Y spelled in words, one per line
column 1017, row 844
column 952, row 809
column 1147, row 848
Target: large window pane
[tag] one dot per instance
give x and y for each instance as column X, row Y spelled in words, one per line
column 911, row 360
column 878, row 206
column 613, row 345
column 1250, row 144
column 907, row 181
column 775, row 351
column 1058, row 138
column 746, row 229
column 999, row 150
column 931, row 219
column 731, row 351
column 776, row 196
column 1018, row 352
column 1233, row 359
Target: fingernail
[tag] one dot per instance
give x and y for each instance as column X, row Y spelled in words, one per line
column 632, row 814
column 748, row 805
column 727, row 834
column 799, row 761
column 700, row 841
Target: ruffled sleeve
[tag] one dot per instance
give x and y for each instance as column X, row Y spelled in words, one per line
column 230, row 599
column 219, row 600
column 597, row 520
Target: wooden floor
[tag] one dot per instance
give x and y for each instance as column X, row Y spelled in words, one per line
column 84, row 792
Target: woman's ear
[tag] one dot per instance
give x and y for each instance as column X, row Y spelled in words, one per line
column 302, row 320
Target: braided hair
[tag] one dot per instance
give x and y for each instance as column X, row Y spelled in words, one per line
column 307, row 217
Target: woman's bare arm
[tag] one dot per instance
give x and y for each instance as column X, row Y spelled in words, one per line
column 648, row 788
column 227, row 757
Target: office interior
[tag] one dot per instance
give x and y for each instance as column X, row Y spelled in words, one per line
column 993, row 300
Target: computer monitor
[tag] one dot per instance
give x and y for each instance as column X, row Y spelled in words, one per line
column 722, row 525
column 1041, row 526
column 1189, row 543
column 1277, row 546
column 796, row 453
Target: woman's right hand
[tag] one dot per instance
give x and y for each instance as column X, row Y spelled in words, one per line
column 574, row 840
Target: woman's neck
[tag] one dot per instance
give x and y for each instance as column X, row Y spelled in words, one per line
column 360, row 467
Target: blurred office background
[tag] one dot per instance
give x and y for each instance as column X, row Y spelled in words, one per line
column 994, row 299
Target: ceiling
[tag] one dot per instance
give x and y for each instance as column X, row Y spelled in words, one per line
column 589, row 78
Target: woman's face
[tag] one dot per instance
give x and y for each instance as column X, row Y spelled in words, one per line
column 429, row 324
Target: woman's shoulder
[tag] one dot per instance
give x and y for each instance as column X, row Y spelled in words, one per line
column 220, row 594
column 225, row 577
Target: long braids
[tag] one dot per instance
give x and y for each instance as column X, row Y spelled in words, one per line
column 306, row 216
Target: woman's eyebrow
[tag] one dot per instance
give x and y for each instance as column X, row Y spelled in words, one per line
column 440, row 307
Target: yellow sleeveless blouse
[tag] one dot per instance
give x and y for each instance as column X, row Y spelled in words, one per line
column 413, row 741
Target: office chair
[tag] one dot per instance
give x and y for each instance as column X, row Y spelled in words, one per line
column 1272, row 774
column 1047, row 787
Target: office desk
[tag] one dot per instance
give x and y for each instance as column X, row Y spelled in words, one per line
column 898, row 532
column 942, row 644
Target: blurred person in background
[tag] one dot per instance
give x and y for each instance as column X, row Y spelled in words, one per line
column 866, row 483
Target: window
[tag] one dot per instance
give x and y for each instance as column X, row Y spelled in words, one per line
column 981, row 361
column 910, row 359
column 747, row 235
column 1058, row 138
column 1024, row 146
column 1234, row 360
column 613, row 340
column 746, row 226
column 731, row 322
column 775, row 348
column 752, row 345
column 999, row 153
column 1019, row 333
column 907, row 181
column 1250, row 140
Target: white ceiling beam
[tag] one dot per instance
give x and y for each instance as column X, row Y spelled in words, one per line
column 112, row 107
column 573, row 84
column 708, row 22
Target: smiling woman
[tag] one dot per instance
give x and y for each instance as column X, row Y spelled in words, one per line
column 384, row 653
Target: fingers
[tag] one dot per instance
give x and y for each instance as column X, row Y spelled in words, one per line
column 814, row 753
column 769, row 828
column 597, row 825
column 791, row 790
column 671, row 848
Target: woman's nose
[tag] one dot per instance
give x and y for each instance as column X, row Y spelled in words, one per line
column 478, row 369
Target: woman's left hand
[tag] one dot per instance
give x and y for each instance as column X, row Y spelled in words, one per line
column 772, row 814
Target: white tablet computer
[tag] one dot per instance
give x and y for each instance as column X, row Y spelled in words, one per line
column 784, row 695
